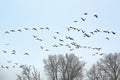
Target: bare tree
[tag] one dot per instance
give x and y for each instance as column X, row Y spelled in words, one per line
column 29, row 73
column 95, row 73
column 91, row 74
column 70, row 67
column 67, row 67
column 62, row 67
column 51, row 67
column 108, row 68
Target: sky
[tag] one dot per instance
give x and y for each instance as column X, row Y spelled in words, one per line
column 58, row 15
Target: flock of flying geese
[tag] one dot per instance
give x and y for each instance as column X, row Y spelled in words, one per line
column 61, row 42
column 14, row 66
column 14, row 52
column 85, row 34
column 84, row 19
column 20, row 30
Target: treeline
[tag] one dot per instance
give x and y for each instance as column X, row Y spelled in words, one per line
column 69, row 67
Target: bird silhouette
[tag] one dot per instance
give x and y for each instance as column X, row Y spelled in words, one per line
column 41, row 28
column 84, row 46
column 89, row 47
column 68, row 45
column 71, row 49
column 39, row 39
column 41, row 47
column 78, row 29
column 6, row 32
column 19, row 30
column 86, row 35
column 83, row 31
column 97, row 49
column 4, row 51
column 61, row 40
column 70, row 38
column 106, row 32
column 26, row 53
column 46, row 50
column 21, row 66
column 26, row 28
column 73, row 28
column 7, row 44
column 12, row 30
column 96, row 16
column 85, row 13
column 73, row 43
column 6, row 67
column 16, row 63
column 96, row 53
column 83, row 19
column 34, row 36
column 93, row 54
column 55, row 46
column 75, row 21
column 66, row 37
column 47, row 28
column 77, row 46
column 10, row 61
column 97, row 30
column 13, row 52
column 101, row 54
column 113, row 33
column 57, row 32
column 92, row 33
column 34, row 29
column 13, row 66
column 60, row 44
column 107, row 38
column 2, row 66
column 54, row 37
column 68, row 29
